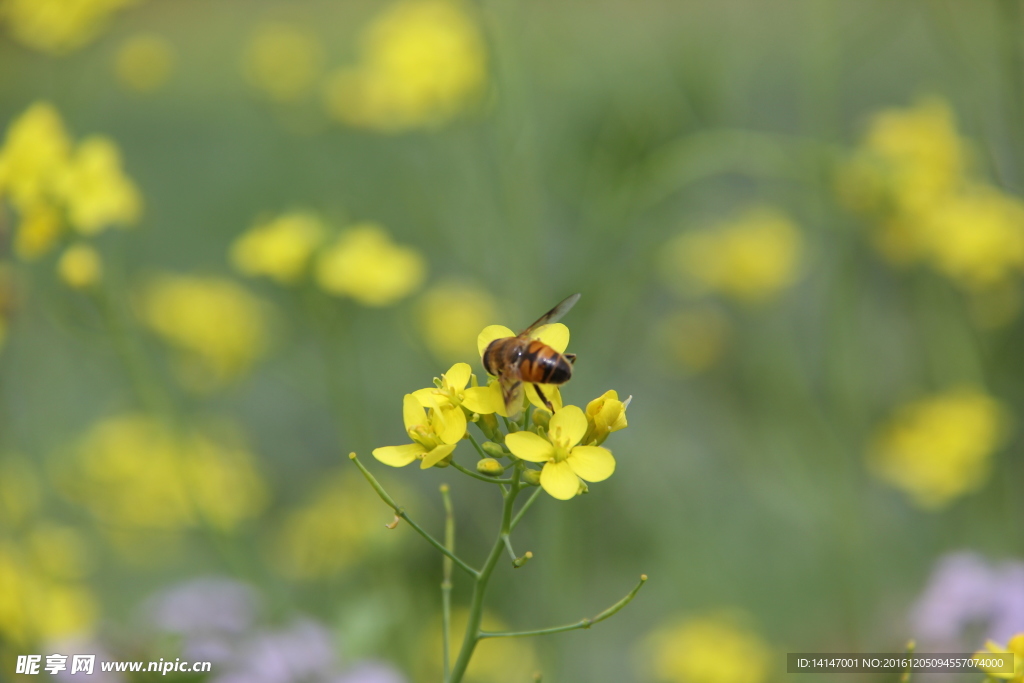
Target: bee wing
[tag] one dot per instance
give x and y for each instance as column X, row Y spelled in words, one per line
column 512, row 392
column 555, row 314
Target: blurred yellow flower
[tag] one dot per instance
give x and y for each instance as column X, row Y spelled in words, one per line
column 279, row 248
column 95, row 189
column 36, row 607
column 693, row 339
column 909, row 158
column 565, row 461
column 1014, row 646
column 144, row 62
column 364, row 264
column 39, row 230
column 421, row 63
column 939, row 448
column 450, row 316
column 19, row 490
column 133, row 472
column 335, row 530
column 36, row 149
column 751, row 258
column 58, row 26
column 709, row 649
column 605, row 414
column 496, row 660
column 221, row 328
column 282, row 61
column 80, row 266
column 433, row 438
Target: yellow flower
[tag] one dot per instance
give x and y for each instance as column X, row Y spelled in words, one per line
column 132, row 472
column 450, row 315
column 335, row 530
column 35, row 607
column 144, row 62
column 35, row 150
column 605, row 414
column 58, row 551
column 58, row 26
column 565, row 462
column 939, row 448
column 1015, row 647
column 422, row 62
column 433, row 438
column 910, row 157
column 220, row 326
column 555, row 335
column 80, row 266
column 976, row 238
column 709, row 649
column 448, row 399
column 693, row 339
column 752, row 258
column 279, row 248
column 97, row 192
column 282, row 61
column 39, row 230
column 363, row 263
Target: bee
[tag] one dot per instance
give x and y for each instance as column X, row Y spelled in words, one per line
column 520, row 359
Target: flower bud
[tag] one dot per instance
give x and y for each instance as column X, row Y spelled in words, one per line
column 494, row 450
column 489, row 467
column 541, row 418
column 531, row 477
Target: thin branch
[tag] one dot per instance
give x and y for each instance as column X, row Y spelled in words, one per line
column 475, row 475
column 582, row 623
column 526, row 506
column 404, row 515
column 477, row 446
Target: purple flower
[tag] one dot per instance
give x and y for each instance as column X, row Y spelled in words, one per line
column 968, row 600
column 204, row 607
column 370, row 672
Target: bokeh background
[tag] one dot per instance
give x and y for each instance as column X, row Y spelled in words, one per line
column 236, row 233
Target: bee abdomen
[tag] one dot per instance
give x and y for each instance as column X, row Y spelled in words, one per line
column 541, row 364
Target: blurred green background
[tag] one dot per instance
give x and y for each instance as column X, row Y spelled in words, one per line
column 798, row 235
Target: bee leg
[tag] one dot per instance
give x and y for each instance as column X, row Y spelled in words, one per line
column 571, row 357
column 544, row 398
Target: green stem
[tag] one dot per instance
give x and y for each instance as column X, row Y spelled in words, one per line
column 582, row 623
column 400, row 512
column 476, row 605
column 475, row 475
column 526, row 506
column 477, row 446
column 446, row 577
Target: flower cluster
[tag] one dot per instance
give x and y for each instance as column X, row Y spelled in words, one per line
column 361, row 262
column 912, row 175
column 58, row 26
column 422, row 62
column 56, row 187
column 939, row 448
column 565, row 444
column 714, row 648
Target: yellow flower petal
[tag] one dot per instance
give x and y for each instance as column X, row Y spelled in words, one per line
column 458, row 376
column 559, row 480
column 568, row 426
column 437, row 455
column 429, row 397
column 489, row 334
column 398, row 456
column 591, row 463
column 484, row 400
column 529, row 446
column 555, row 335
column 450, row 423
column 550, row 390
column 413, row 413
